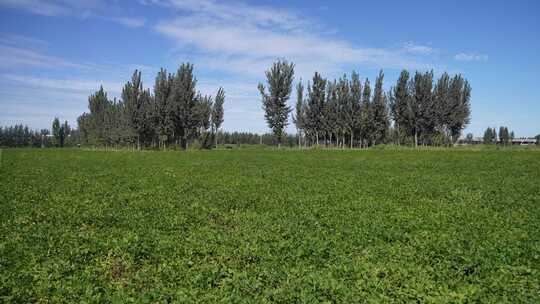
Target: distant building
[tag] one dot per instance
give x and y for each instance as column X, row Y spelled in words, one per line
column 523, row 141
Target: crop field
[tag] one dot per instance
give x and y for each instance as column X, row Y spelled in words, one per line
column 256, row 226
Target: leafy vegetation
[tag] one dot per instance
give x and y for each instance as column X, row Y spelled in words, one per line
column 270, row 226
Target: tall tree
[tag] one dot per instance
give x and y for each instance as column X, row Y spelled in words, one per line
column 95, row 122
column 330, row 117
column 203, row 111
column 504, row 136
column 399, row 105
column 490, row 136
column 279, row 78
column 299, row 115
column 134, row 105
column 217, row 113
column 380, row 118
column 355, row 105
column 162, row 92
column 65, row 130
column 346, row 109
column 421, row 106
column 366, row 116
column 443, row 106
column 315, row 106
column 460, row 108
column 56, row 131
column 182, row 104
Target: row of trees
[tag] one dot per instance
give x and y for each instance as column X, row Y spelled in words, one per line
column 174, row 114
column 348, row 112
column 23, row 136
column 504, row 137
column 60, row 132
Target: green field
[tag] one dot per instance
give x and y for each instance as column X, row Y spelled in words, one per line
column 259, row 225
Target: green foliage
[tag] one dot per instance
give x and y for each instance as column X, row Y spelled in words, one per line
column 260, row 226
column 490, row 136
column 381, row 121
column 174, row 114
column 21, row 136
column 274, row 102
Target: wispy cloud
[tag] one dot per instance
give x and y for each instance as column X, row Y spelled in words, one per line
column 129, row 22
column 38, row 7
column 85, row 86
column 14, row 56
column 17, row 40
column 414, row 48
column 245, row 39
column 52, row 7
column 80, row 8
column 237, row 11
column 470, row 57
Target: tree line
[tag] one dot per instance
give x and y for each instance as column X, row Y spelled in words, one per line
column 175, row 114
column 348, row 112
column 342, row 112
column 504, row 137
column 22, row 136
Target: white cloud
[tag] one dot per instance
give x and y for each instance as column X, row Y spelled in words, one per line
column 14, row 56
column 243, row 40
column 52, row 7
column 235, row 11
column 79, row 8
column 129, row 22
column 239, row 38
column 17, row 40
column 85, row 86
column 411, row 47
column 470, row 57
column 38, row 7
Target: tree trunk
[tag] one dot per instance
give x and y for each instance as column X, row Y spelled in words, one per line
column 330, row 139
column 317, row 137
column 415, row 139
column 352, row 139
column 397, row 132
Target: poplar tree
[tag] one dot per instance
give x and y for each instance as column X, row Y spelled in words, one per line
column 315, row 105
column 421, row 106
column 299, row 115
column 203, row 111
column 274, row 102
column 56, row 131
column 217, row 113
column 488, row 136
column 399, row 99
column 366, row 115
column 182, row 104
column 355, row 105
column 460, row 108
column 65, row 130
column 162, row 92
column 134, row 105
column 380, row 120
column 330, row 116
column 346, row 109
column 443, row 106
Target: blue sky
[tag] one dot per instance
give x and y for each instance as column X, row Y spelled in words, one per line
column 53, row 54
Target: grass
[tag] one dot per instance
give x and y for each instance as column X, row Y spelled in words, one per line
column 444, row 226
